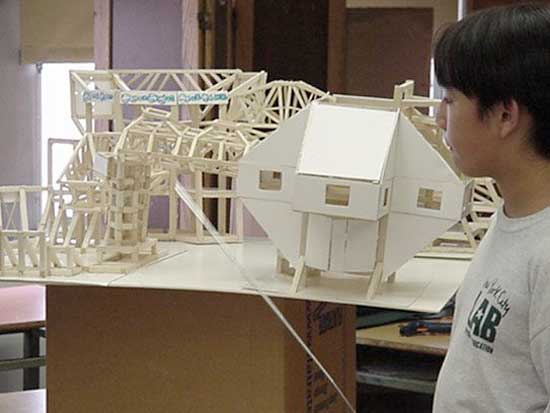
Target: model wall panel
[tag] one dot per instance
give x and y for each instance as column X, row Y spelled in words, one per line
column 310, row 196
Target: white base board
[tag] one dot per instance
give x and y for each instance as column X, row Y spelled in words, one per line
column 421, row 285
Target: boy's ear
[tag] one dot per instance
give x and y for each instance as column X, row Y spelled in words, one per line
column 508, row 117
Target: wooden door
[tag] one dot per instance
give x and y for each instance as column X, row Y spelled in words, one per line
column 386, row 46
column 286, row 38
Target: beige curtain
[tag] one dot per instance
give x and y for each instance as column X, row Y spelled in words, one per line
column 57, row 31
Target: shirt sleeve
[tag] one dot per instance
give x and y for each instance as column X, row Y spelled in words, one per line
column 539, row 319
column 539, row 291
column 540, row 354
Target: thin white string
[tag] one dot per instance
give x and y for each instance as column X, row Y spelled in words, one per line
column 185, row 197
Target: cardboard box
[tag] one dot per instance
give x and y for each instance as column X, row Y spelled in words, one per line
column 136, row 350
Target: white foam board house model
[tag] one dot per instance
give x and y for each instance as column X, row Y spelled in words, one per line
column 350, row 189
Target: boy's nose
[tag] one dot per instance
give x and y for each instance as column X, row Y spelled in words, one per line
column 440, row 116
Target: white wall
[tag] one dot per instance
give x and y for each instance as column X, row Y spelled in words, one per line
column 56, row 115
column 19, row 141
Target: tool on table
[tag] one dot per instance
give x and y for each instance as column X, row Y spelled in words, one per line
column 415, row 327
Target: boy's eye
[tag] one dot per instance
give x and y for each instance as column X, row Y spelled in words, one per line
column 447, row 100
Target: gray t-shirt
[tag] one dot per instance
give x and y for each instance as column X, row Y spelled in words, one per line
column 499, row 356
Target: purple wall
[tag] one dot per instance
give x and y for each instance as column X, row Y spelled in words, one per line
column 19, row 144
column 19, row 109
column 148, row 35
column 19, row 106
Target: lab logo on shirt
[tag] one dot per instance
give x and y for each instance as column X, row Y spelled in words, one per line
column 489, row 308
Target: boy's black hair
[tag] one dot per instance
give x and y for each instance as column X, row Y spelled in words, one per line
column 500, row 54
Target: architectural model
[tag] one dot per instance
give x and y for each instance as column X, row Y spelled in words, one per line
column 96, row 217
column 351, row 186
column 334, row 180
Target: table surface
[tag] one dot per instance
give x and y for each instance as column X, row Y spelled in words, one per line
column 30, row 401
column 22, row 308
column 388, row 336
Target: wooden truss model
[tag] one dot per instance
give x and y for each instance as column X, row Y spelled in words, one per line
column 247, row 108
column 23, row 250
column 265, row 107
column 120, row 95
column 96, row 218
column 180, row 152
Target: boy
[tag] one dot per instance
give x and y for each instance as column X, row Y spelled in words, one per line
column 495, row 68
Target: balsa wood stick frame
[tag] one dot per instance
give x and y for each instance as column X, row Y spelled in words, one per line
column 104, row 94
column 279, row 101
column 90, row 212
column 23, row 250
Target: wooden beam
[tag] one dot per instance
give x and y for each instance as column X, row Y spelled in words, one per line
column 244, row 34
column 336, row 52
column 102, row 34
column 190, row 34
